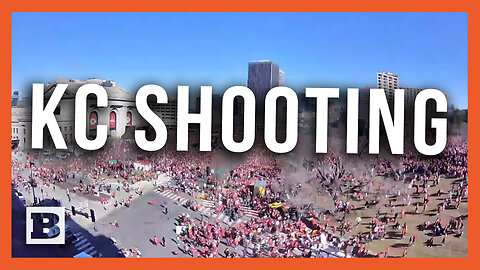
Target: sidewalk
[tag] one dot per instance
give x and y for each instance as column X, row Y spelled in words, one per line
column 82, row 204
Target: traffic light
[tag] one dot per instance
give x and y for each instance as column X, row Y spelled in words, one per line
column 92, row 215
column 73, row 210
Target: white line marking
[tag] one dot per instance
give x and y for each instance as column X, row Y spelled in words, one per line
column 79, row 238
column 88, row 250
column 84, row 246
column 81, row 242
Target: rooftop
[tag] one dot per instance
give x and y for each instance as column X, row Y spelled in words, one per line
column 114, row 92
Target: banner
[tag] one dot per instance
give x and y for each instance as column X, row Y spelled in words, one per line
column 129, row 119
column 93, row 120
column 113, row 121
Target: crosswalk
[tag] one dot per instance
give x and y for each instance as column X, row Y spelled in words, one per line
column 83, row 245
column 207, row 208
column 172, row 196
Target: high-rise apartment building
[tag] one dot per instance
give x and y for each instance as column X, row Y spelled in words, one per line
column 389, row 82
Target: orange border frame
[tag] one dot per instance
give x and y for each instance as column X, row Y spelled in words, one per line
column 221, row 5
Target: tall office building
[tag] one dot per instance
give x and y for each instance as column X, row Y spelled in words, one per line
column 263, row 76
column 281, row 78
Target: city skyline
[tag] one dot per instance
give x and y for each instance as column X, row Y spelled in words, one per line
column 313, row 49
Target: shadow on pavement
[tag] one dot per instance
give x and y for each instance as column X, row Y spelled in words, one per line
column 83, row 240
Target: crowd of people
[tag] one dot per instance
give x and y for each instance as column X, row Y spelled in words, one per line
column 281, row 228
column 299, row 231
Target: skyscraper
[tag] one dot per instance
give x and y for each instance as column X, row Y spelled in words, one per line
column 263, row 76
column 281, row 78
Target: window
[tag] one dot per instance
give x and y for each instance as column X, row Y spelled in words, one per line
column 93, row 120
column 129, row 118
column 113, row 121
column 57, row 111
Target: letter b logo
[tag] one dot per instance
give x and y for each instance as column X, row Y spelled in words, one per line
column 45, row 225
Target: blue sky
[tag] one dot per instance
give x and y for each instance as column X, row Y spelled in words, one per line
column 314, row 49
